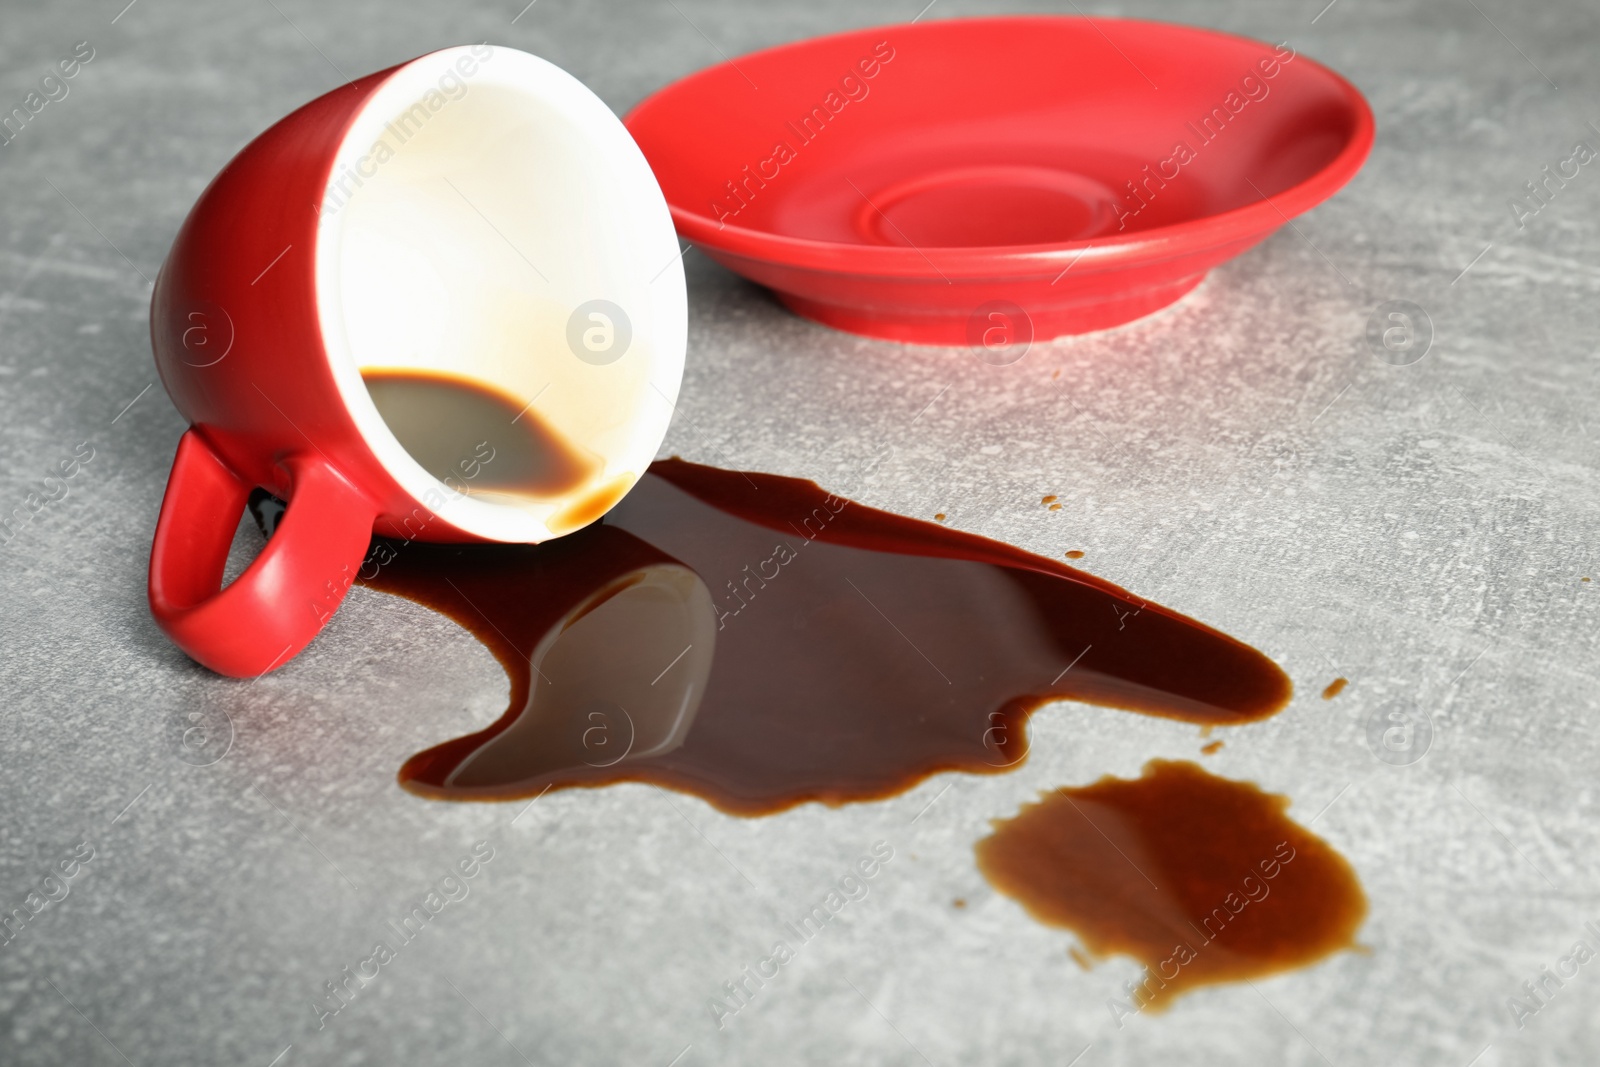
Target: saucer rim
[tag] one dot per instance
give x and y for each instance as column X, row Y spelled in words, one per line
column 1086, row 256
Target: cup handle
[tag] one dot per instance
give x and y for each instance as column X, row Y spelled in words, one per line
column 274, row 609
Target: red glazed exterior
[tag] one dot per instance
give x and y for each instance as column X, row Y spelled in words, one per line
column 243, row 268
column 236, row 331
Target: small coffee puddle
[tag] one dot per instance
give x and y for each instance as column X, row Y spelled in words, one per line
column 1198, row 878
column 759, row 642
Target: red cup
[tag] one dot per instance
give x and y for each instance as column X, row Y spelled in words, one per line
column 477, row 214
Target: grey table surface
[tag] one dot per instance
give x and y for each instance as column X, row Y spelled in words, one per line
column 1242, row 457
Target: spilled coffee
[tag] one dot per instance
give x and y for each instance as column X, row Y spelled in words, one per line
column 760, row 642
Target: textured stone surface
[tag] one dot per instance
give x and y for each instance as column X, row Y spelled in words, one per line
column 1241, row 457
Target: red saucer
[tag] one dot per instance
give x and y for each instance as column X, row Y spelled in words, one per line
column 1053, row 175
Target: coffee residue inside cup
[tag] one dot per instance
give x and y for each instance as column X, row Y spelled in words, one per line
column 470, row 435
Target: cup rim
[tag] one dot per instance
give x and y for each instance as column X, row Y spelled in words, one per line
column 654, row 241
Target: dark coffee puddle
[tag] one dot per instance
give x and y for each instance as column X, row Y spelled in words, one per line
column 760, row 643
column 1199, row 878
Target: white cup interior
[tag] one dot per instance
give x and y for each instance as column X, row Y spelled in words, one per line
column 489, row 220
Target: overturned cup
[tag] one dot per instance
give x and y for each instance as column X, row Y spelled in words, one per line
column 441, row 302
